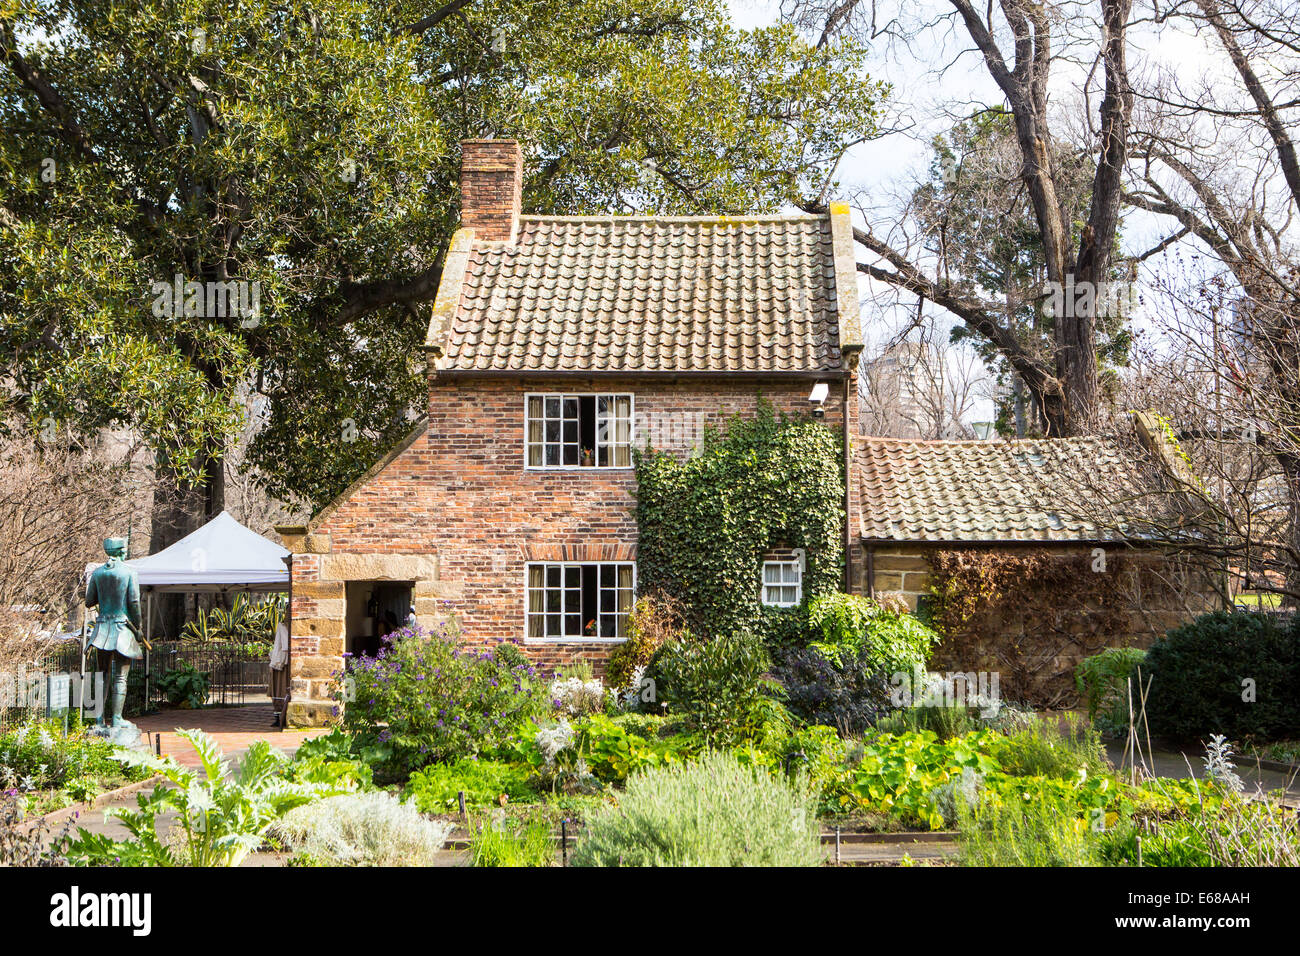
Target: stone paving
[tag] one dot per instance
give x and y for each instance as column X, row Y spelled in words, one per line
column 234, row 728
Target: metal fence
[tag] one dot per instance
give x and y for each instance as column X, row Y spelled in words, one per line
column 235, row 671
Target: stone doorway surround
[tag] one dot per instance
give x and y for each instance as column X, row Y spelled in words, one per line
column 318, row 612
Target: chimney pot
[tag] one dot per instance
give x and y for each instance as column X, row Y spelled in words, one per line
column 491, row 180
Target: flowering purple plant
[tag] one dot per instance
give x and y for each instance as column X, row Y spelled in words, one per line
column 425, row 697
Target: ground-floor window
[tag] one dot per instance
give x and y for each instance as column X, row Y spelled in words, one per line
column 578, row 600
column 783, row 582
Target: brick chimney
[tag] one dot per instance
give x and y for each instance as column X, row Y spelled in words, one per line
column 491, row 177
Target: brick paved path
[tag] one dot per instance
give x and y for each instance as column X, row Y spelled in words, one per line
column 235, row 729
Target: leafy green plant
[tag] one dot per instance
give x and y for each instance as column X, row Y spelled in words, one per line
column 362, row 829
column 437, row 787
column 184, row 686
column 850, row 625
column 220, row 818
column 945, row 721
column 656, row 620
column 1229, row 672
column 248, row 621
column 719, row 688
column 713, row 811
column 1103, row 680
column 495, row 843
column 426, row 699
column 38, row 756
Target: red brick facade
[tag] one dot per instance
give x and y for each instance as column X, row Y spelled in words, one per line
column 457, row 514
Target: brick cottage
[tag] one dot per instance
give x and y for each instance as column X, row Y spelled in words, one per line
column 555, row 344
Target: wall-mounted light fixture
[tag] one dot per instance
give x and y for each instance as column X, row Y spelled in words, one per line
column 818, row 399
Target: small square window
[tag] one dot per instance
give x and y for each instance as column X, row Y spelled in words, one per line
column 782, row 583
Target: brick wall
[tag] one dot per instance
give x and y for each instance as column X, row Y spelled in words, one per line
column 491, row 176
column 457, row 514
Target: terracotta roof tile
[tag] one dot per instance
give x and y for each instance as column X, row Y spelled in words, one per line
column 1025, row 490
column 651, row 294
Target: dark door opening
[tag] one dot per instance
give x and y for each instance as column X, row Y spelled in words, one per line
column 374, row 610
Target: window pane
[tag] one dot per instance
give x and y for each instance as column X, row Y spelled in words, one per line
column 625, row 578
column 573, row 576
column 570, row 431
column 607, row 576
column 553, row 431
column 622, row 456
column 534, row 454
column 552, row 454
column 571, row 408
column 571, row 454
column 791, row 573
column 536, row 625
column 536, row 576
column 573, row 625
column 553, row 572
column 536, row 599
column 771, row 573
column 553, row 626
column 553, row 407
column 602, row 455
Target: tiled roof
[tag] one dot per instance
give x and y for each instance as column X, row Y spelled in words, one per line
column 717, row 294
column 1026, row 490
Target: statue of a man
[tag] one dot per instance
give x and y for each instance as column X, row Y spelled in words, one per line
column 115, row 589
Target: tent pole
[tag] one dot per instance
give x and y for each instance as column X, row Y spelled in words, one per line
column 148, row 634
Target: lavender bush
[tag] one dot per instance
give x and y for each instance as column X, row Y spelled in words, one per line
column 426, row 698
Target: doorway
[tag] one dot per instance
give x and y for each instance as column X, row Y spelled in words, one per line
column 374, row 609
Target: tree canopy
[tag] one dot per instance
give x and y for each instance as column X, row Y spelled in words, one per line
column 165, row 153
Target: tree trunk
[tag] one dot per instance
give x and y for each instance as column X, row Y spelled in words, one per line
column 179, row 508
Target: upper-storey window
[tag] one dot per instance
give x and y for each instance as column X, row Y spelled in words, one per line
column 578, row 431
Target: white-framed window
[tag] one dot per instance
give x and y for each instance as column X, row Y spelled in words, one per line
column 573, row 430
column 782, row 582
column 578, row 600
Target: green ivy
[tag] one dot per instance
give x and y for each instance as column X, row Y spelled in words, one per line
column 705, row 522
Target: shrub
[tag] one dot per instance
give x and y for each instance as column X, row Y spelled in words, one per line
column 718, row 687
column 497, row 844
column 575, row 696
column 184, row 686
column 1102, row 679
column 436, row 788
column 362, row 829
column 849, row 695
column 249, row 621
column 849, row 625
column 656, row 620
column 424, row 699
column 712, row 812
column 37, row 756
column 945, row 722
column 1023, row 833
column 1048, row 748
column 1198, row 675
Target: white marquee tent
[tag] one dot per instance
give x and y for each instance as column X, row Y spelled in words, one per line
column 223, row 555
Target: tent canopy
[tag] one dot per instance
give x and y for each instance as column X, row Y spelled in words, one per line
column 223, row 555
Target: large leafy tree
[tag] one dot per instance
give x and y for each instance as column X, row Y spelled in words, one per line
column 976, row 220
column 310, row 148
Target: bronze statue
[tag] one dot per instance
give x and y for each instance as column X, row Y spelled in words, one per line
column 115, row 589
